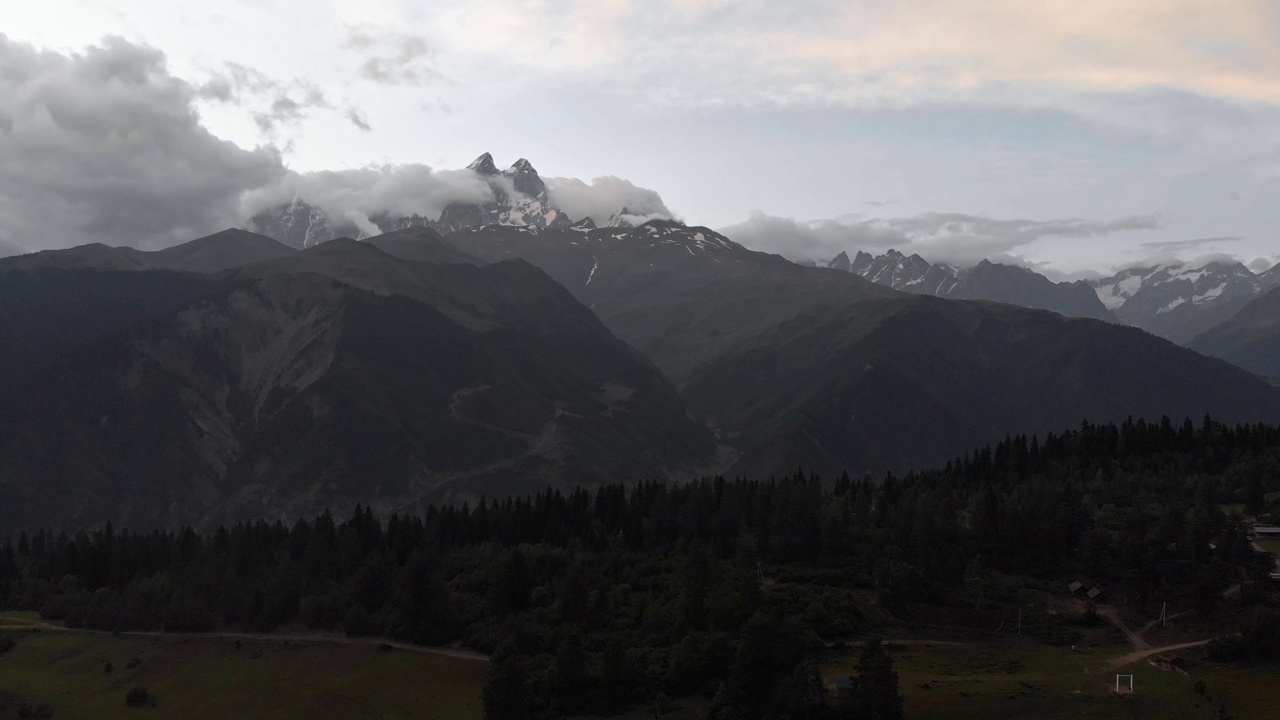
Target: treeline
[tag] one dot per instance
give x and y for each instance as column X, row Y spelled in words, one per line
column 598, row 600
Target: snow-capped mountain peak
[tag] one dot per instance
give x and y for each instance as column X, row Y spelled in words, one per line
column 1178, row 301
column 526, row 179
column 483, row 165
column 984, row 281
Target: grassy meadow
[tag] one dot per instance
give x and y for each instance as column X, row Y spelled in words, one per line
column 1008, row 680
column 213, row 678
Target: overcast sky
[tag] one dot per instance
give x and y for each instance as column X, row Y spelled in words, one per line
column 1072, row 135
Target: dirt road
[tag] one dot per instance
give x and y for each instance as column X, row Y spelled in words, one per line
column 265, row 637
column 1141, row 648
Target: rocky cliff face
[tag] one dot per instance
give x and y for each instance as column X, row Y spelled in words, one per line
column 984, row 281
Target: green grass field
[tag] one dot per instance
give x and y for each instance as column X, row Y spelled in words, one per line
column 1249, row 692
column 211, row 678
column 1271, row 545
column 1025, row 680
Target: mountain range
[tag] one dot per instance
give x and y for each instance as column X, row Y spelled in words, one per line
column 1250, row 338
column 483, row 352
column 1177, row 302
column 314, row 379
column 794, row 365
column 984, row 281
column 519, row 198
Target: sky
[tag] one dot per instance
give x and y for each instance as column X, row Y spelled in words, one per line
column 1074, row 137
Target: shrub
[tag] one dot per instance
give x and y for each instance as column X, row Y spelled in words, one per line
column 38, row 712
column 1228, row 649
column 138, row 697
column 7, row 643
column 133, row 663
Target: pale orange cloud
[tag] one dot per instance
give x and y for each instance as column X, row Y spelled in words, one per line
column 1227, row 47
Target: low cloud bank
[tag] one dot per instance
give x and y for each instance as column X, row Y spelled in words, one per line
column 604, row 197
column 952, row 238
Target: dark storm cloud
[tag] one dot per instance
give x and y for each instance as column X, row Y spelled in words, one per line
column 940, row 237
column 1178, row 245
column 106, row 146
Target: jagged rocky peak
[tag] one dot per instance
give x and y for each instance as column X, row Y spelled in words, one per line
column 985, row 281
column 840, row 262
column 525, row 178
column 861, row 261
column 484, row 165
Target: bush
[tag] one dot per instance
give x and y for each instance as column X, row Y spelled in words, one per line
column 1059, row 635
column 138, row 697
column 7, row 643
column 1228, row 649
column 38, row 712
column 135, row 662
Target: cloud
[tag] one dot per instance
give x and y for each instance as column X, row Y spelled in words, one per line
column 1260, row 265
column 8, row 248
column 818, row 240
column 271, row 102
column 357, row 194
column 824, row 53
column 106, row 146
column 1179, row 245
column 399, row 190
column 604, row 197
column 954, row 238
column 358, row 119
column 393, row 58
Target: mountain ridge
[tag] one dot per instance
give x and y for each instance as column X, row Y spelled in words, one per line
column 325, row 378
column 519, row 197
column 985, row 281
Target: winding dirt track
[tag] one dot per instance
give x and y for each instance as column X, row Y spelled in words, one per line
column 1137, row 655
column 1141, row 648
column 265, row 637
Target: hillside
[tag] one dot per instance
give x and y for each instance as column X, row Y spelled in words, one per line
column 901, row 385
column 1250, row 338
column 775, row 356
column 337, row 376
column 212, row 253
column 985, row 281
